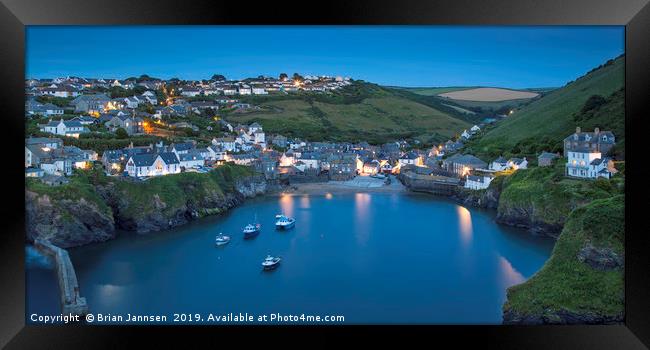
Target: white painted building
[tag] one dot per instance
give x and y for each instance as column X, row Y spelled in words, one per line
column 259, row 138
column 70, row 128
column 499, row 164
column 225, row 143
column 244, row 90
column 259, row 91
column 58, row 166
column 191, row 160
column 148, row 164
column 518, row 163
column 478, row 182
column 578, row 163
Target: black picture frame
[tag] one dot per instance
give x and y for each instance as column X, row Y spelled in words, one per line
column 634, row 15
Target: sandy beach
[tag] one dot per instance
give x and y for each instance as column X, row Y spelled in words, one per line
column 358, row 184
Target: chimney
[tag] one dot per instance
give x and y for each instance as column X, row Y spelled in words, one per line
column 596, row 131
column 577, row 129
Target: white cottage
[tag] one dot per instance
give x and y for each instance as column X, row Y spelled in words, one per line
column 148, row 164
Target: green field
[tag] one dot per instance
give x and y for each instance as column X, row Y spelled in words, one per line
column 556, row 115
column 490, row 105
column 480, row 107
column 433, row 91
column 372, row 114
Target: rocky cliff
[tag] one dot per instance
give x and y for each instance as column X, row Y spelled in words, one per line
column 582, row 282
column 488, row 198
column 141, row 206
column 66, row 222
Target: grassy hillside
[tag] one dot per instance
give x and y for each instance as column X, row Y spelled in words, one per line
column 549, row 197
column 360, row 112
column 567, row 285
column 550, row 119
column 592, row 216
column 77, row 189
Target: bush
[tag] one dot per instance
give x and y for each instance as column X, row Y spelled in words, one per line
column 121, row 133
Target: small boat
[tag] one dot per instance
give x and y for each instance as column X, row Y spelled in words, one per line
column 252, row 230
column 222, row 239
column 378, row 176
column 270, row 262
column 284, row 223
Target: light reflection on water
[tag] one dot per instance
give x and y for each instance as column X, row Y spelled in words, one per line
column 509, row 274
column 286, row 203
column 465, row 224
column 362, row 218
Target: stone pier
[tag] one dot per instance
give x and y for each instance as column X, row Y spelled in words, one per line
column 438, row 185
column 71, row 301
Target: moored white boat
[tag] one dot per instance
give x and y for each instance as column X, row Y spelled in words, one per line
column 270, row 262
column 284, row 222
column 222, row 239
column 252, row 230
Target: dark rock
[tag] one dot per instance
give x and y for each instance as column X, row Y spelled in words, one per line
column 561, row 317
column 522, row 218
column 600, row 258
column 66, row 223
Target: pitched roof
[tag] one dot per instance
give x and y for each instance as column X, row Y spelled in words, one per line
column 145, row 159
column 184, row 146
column 468, row 159
column 585, row 136
column 547, row 155
column 169, row 157
column 42, row 140
column 191, row 156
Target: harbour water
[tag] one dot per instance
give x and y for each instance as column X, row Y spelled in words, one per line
column 370, row 257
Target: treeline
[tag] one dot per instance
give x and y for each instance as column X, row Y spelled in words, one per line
column 100, row 143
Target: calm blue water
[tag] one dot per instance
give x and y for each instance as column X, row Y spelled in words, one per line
column 373, row 258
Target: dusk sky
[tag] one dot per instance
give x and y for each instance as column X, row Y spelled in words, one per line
column 514, row 57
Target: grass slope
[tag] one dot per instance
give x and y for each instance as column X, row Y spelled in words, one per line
column 177, row 190
column 567, row 284
column 553, row 116
column 550, row 197
column 361, row 112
